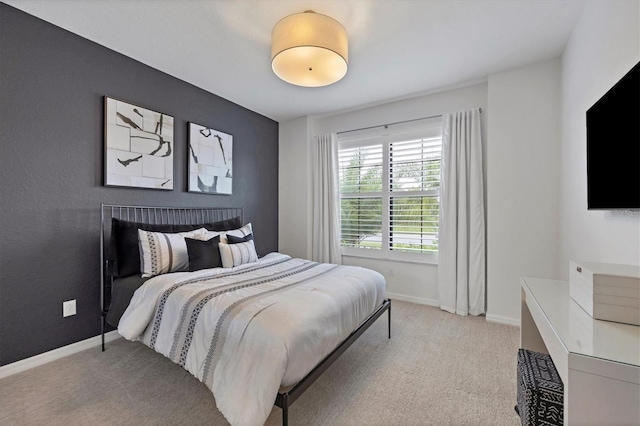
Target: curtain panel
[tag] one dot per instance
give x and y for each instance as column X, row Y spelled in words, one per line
column 325, row 234
column 462, row 231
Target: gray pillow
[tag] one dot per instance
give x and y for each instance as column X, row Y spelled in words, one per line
column 203, row 254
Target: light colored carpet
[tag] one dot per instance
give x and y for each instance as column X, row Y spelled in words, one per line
column 437, row 368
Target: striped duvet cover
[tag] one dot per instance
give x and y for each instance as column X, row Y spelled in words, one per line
column 248, row 330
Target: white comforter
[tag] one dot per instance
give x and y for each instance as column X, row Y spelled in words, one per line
column 247, row 331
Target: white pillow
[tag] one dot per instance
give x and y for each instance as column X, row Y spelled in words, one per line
column 161, row 253
column 240, row 232
column 207, row 235
column 237, row 254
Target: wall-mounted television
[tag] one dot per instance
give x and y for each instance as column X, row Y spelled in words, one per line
column 613, row 146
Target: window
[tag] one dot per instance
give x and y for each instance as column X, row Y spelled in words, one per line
column 389, row 191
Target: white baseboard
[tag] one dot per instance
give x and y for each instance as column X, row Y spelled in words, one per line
column 499, row 319
column 44, row 358
column 413, row 299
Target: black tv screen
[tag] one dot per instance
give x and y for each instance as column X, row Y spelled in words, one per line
column 613, row 146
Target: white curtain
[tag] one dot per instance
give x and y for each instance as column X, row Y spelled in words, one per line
column 325, row 235
column 461, row 234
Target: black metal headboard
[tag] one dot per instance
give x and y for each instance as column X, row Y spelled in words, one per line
column 151, row 215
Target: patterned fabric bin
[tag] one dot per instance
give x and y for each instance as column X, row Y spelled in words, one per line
column 540, row 390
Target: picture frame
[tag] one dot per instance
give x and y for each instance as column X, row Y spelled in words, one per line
column 138, row 146
column 210, row 169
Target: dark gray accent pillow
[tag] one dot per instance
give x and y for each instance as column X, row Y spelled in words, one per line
column 235, row 240
column 223, row 225
column 203, row 254
column 124, row 252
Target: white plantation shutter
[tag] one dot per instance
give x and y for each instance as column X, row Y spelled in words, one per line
column 360, row 171
column 414, row 180
column 358, row 168
column 390, row 187
column 415, row 164
column 361, row 222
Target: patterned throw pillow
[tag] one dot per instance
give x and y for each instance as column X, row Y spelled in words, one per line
column 237, row 254
column 239, row 232
column 161, row 253
column 208, row 235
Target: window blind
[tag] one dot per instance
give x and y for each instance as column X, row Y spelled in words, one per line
column 389, row 188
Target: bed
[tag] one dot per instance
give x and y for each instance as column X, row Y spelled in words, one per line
column 255, row 330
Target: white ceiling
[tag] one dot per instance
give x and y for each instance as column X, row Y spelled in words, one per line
column 396, row 47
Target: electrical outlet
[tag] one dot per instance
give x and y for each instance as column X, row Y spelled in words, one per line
column 69, row 308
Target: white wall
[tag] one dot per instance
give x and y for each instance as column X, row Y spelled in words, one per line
column 522, row 183
column 460, row 99
column 604, row 45
column 293, row 181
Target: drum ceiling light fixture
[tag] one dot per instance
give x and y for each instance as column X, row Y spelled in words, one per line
column 309, row 49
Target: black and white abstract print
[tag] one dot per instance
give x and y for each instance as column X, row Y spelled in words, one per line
column 139, row 146
column 210, row 160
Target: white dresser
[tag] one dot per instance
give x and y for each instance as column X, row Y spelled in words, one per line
column 598, row 361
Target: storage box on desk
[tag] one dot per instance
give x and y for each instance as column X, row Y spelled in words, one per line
column 540, row 390
column 607, row 291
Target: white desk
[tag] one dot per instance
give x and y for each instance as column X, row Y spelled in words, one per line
column 598, row 361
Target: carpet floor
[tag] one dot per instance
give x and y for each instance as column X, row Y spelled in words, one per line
column 437, row 369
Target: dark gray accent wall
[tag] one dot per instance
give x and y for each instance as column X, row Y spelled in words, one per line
column 52, row 88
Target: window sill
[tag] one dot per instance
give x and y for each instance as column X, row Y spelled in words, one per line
column 414, row 258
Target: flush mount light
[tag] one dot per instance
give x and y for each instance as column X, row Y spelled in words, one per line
column 309, row 49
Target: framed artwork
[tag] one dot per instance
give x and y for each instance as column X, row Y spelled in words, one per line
column 210, row 160
column 138, row 146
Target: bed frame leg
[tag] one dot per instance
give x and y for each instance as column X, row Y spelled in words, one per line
column 285, row 409
column 102, row 325
column 389, row 319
